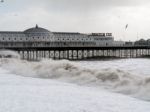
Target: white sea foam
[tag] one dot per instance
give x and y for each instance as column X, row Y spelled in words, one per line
column 9, row 54
column 113, row 79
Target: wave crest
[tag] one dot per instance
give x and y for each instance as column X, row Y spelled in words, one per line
column 112, row 79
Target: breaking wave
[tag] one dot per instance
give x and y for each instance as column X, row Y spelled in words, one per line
column 9, row 54
column 112, row 79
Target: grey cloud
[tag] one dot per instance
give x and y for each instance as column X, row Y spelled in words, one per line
column 88, row 4
column 76, row 6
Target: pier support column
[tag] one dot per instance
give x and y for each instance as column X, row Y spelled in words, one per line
column 54, row 52
column 49, row 52
column 68, row 54
column 27, row 55
column 77, row 54
column 36, row 55
column 23, row 55
column 72, row 54
column 58, row 54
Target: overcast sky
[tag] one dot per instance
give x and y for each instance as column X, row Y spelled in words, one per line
column 85, row 16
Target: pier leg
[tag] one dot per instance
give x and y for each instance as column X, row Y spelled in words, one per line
column 22, row 54
column 54, row 54
column 59, row 54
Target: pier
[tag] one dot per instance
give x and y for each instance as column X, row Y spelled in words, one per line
column 81, row 53
column 37, row 43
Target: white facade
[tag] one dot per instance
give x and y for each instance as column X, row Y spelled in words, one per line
column 102, row 39
column 38, row 37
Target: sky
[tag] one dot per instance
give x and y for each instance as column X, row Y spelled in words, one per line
column 84, row 16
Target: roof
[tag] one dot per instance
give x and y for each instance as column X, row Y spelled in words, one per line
column 71, row 33
column 37, row 30
column 10, row 32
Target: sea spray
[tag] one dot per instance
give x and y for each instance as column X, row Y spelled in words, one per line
column 9, row 54
column 115, row 80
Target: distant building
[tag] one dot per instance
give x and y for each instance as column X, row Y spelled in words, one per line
column 148, row 42
column 141, row 42
column 129, row 43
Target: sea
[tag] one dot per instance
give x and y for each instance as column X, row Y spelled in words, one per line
column 88, row 86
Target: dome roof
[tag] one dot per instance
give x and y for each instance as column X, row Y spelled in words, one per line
column 37, row 30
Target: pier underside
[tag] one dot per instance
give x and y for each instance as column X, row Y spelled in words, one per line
column 81, row 53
